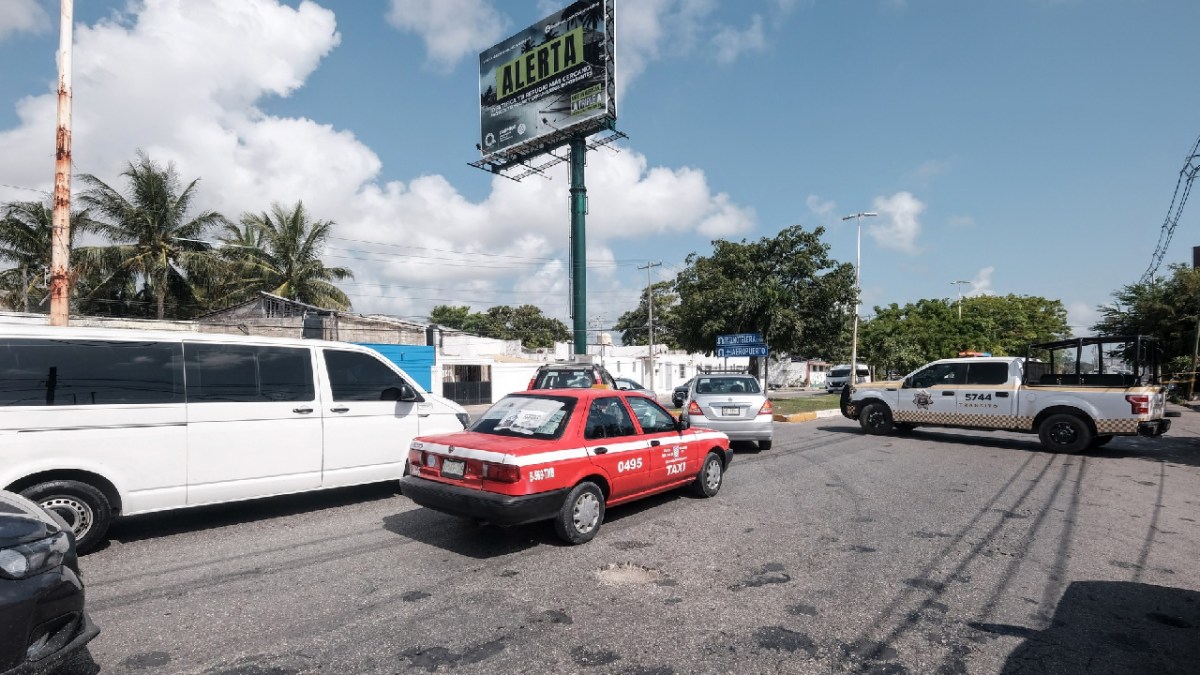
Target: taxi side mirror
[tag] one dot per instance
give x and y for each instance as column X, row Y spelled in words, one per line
column 682, row 423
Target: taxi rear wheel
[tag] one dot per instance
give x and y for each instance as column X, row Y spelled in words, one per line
column 712, row 474
column 581, row 514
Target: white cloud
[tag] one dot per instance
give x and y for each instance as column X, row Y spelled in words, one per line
column 899, row 224
column 432, row 244
column 732, row 43
column 451, row 29
column 18, row 16
column 821, row 208
column 982, row 283
column 1081, row 316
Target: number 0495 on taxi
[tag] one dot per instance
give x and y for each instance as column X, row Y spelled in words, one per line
column 564, row 456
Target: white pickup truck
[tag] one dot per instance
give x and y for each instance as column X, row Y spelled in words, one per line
column 1067, row 399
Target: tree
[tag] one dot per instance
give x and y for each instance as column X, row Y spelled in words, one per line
column 26, row 233
column 286, row 260
column 155, row 242
column 785, row 287
column 1165, row 307
column 502, row 322
column 900, row 339
column 635, row 324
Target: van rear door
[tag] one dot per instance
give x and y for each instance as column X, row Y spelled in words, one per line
column 254, row 428
column 367, row 428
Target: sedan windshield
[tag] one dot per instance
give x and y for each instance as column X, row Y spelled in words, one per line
column 540, row 417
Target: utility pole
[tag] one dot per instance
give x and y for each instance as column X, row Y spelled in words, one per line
column 649, row 267
column 959, row 285
column 857, row 289
column 60, row 248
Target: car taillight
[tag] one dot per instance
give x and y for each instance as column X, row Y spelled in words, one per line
column 694, row 409
column 766, row 409
column 1139, row 404
column 532, row 380
column 500, row 473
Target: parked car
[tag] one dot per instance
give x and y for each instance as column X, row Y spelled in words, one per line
column 733, row 404
column 98, row 423
column 679, row 394
column 626, row 384
column 42, row 617
column 571, row 376
column 565, row 455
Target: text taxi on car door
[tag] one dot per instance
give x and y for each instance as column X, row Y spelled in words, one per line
column 563, row 455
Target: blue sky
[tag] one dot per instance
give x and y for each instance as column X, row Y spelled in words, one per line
column 1030, row 146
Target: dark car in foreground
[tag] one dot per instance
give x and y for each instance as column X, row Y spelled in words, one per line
column 679, row 394
column 42, row 619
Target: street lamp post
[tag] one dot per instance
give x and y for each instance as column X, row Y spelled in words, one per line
column 857, row 288
column 959, row 285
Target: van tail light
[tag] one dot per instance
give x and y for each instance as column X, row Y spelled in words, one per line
column 1139, row 404
column 694, row 409
column 532, row 380
column 500, row 473
column 766, row 409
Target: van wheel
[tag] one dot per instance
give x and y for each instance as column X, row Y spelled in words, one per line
column 581, row 514
column 1067, row 434
column 84, row 508
column 876, row 419
column 712, row 474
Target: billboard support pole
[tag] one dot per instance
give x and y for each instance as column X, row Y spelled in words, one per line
column 578, row 244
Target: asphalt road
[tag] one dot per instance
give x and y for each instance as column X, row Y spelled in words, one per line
column 937, row 552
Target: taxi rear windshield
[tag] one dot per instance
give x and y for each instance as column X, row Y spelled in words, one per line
column 538, row 417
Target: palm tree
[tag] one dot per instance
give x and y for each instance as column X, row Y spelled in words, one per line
column 288, row 261
column 155, row 242
column 26, row 233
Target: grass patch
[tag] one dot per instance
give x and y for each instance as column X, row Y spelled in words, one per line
column 790, row 406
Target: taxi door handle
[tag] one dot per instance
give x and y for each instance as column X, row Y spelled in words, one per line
column 600, row 451
column 654, row 444
column 947, row 393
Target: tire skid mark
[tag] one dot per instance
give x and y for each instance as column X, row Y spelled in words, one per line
column 1144, row 554
column 1058, row 570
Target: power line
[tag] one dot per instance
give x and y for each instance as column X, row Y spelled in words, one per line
column 1183, row 186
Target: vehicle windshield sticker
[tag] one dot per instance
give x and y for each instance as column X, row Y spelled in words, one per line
column 531, row 416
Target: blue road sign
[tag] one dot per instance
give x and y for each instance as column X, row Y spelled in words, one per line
column 748, row 350
column 740, row 339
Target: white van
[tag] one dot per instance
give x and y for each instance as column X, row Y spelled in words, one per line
column 838, row 376
column 96, row 423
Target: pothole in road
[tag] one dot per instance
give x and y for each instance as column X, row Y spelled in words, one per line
column 629, row 574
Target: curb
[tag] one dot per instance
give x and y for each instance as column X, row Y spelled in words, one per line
column 807, row 416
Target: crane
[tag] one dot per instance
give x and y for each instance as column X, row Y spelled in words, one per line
column 1191, row 166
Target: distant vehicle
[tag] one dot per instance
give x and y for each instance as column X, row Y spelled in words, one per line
column 565, row 455
column 42, row 617
column 733, row 404
column 97, row 423
column 571, row 376
column 838, row 376
column 626, row 384
column 679, row 394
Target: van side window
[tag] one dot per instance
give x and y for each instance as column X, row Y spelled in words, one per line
column 354, row 376
column 218, row 373
column 89, row 372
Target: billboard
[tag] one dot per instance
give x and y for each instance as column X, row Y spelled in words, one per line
column 556, row 77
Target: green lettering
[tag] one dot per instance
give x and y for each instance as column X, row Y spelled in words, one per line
column 530, row 73
column 570, row 56
column 543, row 63
column 506, row 84
column 554, row 52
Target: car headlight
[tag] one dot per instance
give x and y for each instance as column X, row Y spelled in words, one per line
column 27, row 560
column 464, row 418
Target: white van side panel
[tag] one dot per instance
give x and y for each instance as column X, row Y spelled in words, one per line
column 140, row 449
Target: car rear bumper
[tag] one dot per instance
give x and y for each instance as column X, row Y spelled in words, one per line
column 494, row 508
column 762, row 428
column 1154, row 427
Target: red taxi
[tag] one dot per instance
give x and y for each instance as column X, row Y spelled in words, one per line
column 563, row 455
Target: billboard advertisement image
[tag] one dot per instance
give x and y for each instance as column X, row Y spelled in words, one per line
column 555, row 76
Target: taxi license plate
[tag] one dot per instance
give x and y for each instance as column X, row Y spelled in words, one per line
column 453, row 468
column 731, row 412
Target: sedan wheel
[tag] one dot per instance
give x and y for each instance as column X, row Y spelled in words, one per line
column 708, row 482
column 581, row 514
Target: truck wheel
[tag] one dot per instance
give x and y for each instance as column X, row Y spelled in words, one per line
column 876, row 419
column 1067, row 434
column 581, row 514
column 1101, row 441
column 708, row 481
column 84, row 508
column 844, row 402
